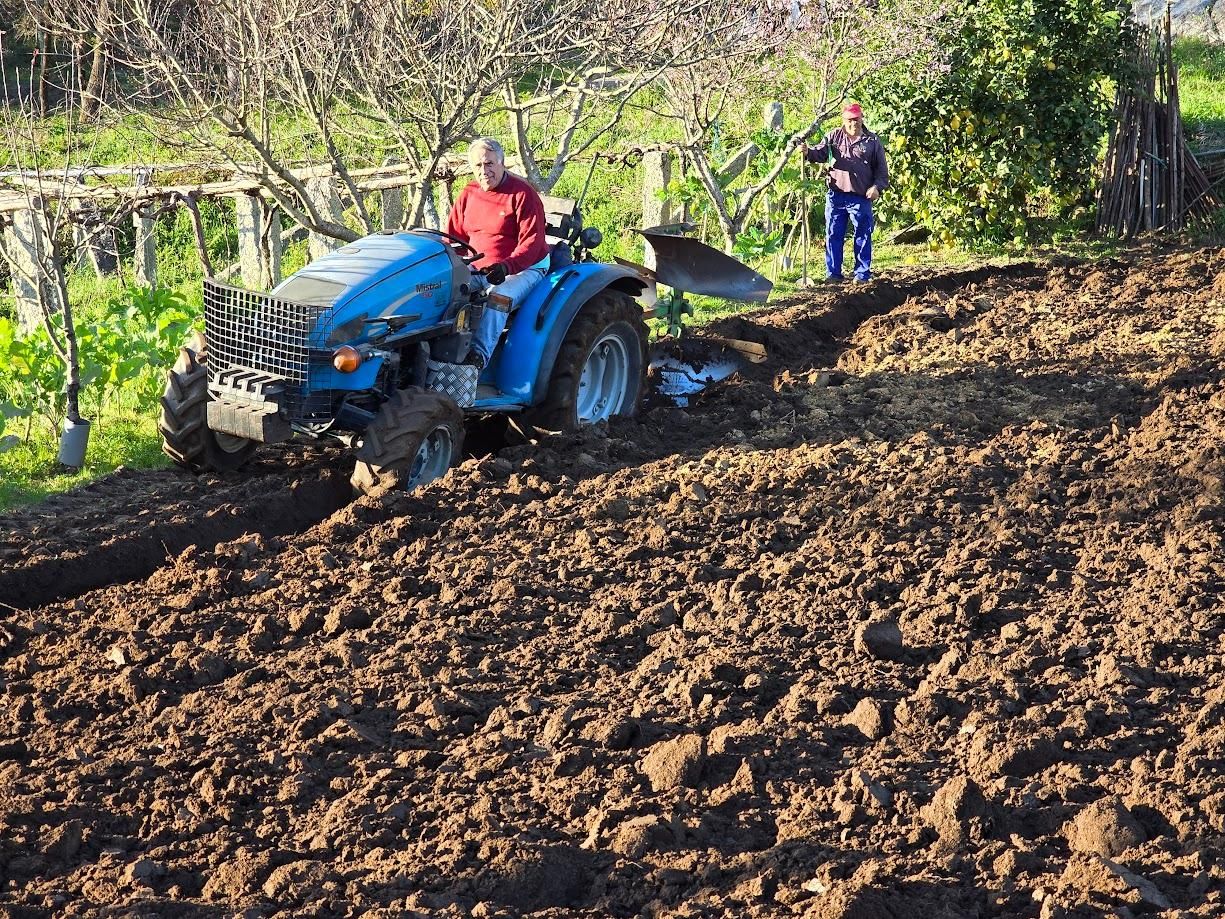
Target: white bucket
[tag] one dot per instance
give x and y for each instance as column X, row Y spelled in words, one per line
column 72, row 443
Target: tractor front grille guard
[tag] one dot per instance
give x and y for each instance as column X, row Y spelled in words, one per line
column 247, row 330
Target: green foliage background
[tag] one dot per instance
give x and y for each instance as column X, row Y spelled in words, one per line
column 998, row 149
column 1011, row 130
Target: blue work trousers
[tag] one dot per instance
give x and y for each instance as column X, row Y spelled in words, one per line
column 493, row 320
column 839, row 205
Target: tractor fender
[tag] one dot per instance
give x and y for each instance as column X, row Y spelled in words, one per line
column 540, row 324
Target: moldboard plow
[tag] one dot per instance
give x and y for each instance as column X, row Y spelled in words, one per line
column 685, row 364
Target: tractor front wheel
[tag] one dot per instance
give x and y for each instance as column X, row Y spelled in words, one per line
column 415, row 438
column 186, row 436
column 600, row 369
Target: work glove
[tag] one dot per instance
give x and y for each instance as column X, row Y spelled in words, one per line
column 495, row 274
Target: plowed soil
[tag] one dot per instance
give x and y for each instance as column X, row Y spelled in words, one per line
column 920, row 618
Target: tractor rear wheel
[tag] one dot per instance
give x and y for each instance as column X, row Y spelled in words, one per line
column 415, row 438
column 600, row 368
column 186, row 436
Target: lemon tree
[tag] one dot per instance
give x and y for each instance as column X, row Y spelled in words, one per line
column 1010, row 126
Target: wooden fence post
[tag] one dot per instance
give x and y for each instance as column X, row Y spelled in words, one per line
column 656, row 210
column 146, row 247
column 436, row 217
column 92, row 236
column 392, row 206
column 94, row 239
column 145, row 257
column 392, row 202
column 323, row 193
column 259, row 241
column 772, row 116
column 27, row 245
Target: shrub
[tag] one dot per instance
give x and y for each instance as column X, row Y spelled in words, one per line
column 1013, row 124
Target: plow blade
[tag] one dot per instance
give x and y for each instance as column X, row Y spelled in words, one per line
column 694, row 267
column 680, row 369
column 682, row 366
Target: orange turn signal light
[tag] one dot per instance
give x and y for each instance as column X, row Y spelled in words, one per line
column 346, row 359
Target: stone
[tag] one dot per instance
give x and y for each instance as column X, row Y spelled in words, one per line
column 675, row 763
column 881, row 639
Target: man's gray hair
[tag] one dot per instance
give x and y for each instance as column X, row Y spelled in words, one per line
column 486, row 143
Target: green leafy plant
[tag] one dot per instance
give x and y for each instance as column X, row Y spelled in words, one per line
column 32, row 376
column 134, row 345
column 1010, row 129
column 127, row 351
column 755, row 243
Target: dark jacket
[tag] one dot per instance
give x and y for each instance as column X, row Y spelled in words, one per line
column 857, row 165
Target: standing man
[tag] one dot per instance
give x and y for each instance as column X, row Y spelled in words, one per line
column 501, row 216
column 857, row 176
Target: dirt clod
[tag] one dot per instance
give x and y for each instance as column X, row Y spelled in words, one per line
column 1105, row 827
column 675, row 763
column 880, row 638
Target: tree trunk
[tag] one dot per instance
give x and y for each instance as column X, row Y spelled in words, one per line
column 91, row 97
column 40, row 77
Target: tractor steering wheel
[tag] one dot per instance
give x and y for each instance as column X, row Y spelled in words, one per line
column 467, row 254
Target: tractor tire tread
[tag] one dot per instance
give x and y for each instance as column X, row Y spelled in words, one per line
column 557, row 412
column 406, row 416
column 186, row 437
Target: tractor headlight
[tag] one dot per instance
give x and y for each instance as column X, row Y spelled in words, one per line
column 348, row 331
column 346, row 359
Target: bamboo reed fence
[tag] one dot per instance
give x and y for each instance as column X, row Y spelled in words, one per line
column 1150, row 178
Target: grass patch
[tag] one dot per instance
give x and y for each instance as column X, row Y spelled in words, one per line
column 122, row 439
column 1201, row 91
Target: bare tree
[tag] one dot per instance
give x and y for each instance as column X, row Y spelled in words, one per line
column 377, row 78
column 91, row 92
column 561, row 108
column 31, row 235
column 838, row 42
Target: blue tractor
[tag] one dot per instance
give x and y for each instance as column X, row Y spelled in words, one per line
column 366, row 345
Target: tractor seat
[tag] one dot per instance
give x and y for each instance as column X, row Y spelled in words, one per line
column 562, row 226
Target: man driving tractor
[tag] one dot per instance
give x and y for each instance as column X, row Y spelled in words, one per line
column 501, row 216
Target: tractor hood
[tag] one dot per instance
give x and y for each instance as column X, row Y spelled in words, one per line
column 385, row 274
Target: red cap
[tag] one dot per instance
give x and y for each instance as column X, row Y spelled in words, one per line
column 853, row 110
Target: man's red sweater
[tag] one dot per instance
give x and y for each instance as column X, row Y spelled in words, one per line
column 506, row 224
